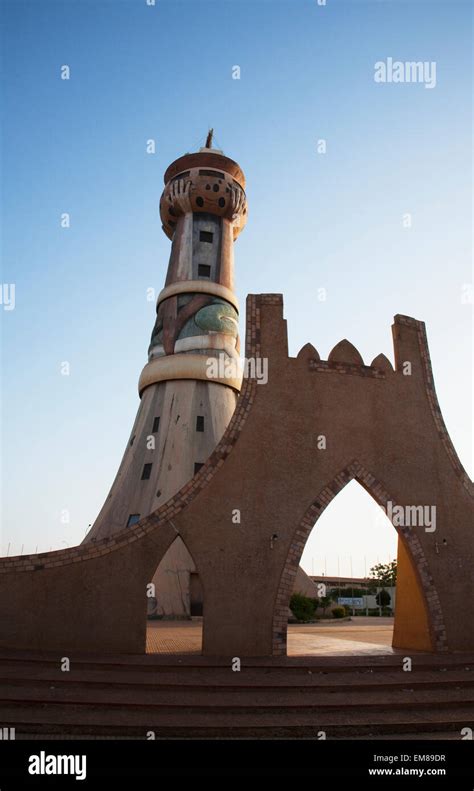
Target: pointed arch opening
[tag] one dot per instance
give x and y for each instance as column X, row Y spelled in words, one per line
column 414, row 600
column 175, row 604
column 355, row 614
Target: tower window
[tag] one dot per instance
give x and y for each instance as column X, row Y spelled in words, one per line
column 204, row 270
column 214, row 173
column 206, row 236
column 200, row 423
column 181, row 175
column 199, row 201
column 221, row 202
column 133, row 519
column 216, row 187
column 146, row 471
column 197, row 466
column 156, row 425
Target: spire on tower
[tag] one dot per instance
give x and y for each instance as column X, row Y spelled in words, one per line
column 208, row 147
column 209, row 137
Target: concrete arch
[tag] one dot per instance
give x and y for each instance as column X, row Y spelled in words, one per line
column 268, row 465
column 188, row 584
column 426, row 590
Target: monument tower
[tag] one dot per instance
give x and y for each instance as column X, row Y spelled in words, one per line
column 183, row 413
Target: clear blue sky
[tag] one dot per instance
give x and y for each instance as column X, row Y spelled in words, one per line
column 330, row 221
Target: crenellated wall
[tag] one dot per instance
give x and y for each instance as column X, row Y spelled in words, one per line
column 383, row 427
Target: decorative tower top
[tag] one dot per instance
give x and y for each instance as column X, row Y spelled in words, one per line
column 204, row 182
column 203, row 209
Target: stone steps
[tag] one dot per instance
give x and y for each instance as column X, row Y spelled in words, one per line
column 241, row 698
column 105, row 696
column 95, row 721
column 228, row 680
column 182, row 662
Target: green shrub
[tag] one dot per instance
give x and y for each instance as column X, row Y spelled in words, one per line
column 338, row 612
column 302, row 607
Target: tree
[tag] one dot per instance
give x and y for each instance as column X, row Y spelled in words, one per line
column 383, row 598
column 385, row 574
column 325, row 602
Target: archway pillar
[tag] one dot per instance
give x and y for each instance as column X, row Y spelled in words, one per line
column 411, row 628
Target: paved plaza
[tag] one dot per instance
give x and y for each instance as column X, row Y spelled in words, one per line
column 356, row 637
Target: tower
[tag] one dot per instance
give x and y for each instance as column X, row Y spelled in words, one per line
column 184, row 407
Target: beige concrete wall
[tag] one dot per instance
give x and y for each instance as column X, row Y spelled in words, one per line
column 304, row 585
column 177, row 447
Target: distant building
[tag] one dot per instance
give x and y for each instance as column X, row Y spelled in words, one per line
column 348, row 589
column 342, row 582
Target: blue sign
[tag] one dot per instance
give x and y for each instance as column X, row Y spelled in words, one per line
column 354, row 601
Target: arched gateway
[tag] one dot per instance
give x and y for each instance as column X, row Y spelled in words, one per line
column 383, row 427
